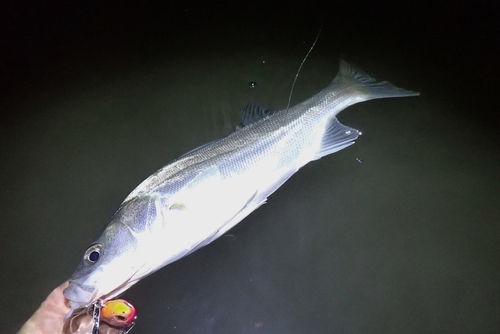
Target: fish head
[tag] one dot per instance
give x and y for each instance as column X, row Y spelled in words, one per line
column 141, row 238
column 108, row 267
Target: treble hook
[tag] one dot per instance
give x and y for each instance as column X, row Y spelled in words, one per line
column 127, row 329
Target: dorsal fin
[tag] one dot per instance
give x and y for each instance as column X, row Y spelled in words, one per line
column 252, row 113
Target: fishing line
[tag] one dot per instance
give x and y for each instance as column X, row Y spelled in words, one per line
column 300, row 67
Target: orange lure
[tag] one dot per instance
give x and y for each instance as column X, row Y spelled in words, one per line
column 118, row 313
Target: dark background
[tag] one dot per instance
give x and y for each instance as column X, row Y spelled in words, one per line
column 97, row 95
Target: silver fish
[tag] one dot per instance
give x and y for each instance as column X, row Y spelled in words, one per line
column 197, row 198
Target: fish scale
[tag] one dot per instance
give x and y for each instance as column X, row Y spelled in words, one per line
column 197, row 198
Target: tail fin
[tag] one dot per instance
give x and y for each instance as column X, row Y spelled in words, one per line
column 371, row 88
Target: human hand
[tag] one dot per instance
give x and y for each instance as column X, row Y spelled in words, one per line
column 48, row 319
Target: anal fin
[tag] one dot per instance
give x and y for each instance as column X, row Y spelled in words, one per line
column 336, row 137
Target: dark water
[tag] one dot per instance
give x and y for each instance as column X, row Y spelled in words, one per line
column 96, row 97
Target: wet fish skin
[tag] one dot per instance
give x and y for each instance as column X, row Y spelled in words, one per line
column 197, row 198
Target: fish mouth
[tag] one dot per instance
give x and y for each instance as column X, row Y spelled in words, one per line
column 80, row 296
column 80, row 293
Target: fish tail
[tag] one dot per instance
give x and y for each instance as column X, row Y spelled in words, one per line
column 369, row 87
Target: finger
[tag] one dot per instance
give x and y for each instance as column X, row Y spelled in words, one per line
column 83, row 325
column 49, row 316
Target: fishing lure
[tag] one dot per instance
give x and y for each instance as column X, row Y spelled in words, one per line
column 116, row 313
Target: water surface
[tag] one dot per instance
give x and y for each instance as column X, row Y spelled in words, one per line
column 405, row 241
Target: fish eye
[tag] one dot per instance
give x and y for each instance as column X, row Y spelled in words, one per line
column 93, row 253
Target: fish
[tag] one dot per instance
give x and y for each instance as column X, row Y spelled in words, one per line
column 198, row 197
